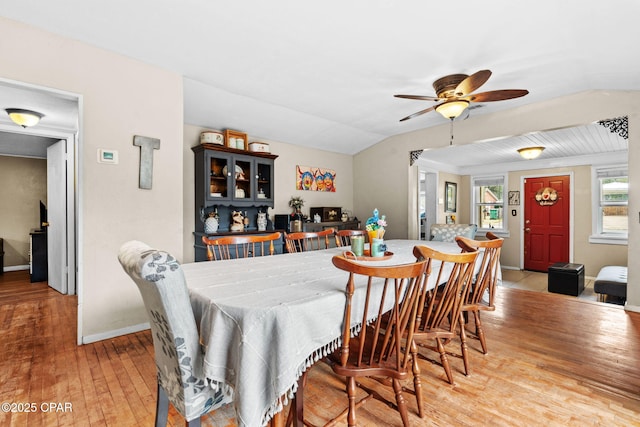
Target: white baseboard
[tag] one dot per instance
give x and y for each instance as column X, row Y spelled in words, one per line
column 17, row 267
column 115, row 333
column 634, row 308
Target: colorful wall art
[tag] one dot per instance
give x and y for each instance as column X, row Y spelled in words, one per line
column 315, row 179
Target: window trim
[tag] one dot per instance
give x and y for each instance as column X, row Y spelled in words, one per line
column 597, row 236
column 474, row 219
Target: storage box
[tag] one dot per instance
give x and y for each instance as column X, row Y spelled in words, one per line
column 326, row 214
column 566, row 278
column 259, row 147
column 211, row 137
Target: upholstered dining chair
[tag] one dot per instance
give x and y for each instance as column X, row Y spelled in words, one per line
column 452, row 274
column 240, row 246
column 308, row 240
column 480, row 296
column 178, row 354
column 343, row 237
column 379, row 348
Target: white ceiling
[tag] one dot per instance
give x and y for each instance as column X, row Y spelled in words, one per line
column 323, row 74
column 592, row 143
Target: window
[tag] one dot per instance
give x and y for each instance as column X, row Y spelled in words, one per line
column 489, row 203
column 611, row 196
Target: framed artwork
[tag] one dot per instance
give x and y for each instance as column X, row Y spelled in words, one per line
column 450, row 196
column 315, row 179
column 514, row 198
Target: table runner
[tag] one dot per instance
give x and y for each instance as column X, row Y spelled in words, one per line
column 263, row 321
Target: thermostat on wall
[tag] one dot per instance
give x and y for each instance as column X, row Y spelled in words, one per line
column 107, row 156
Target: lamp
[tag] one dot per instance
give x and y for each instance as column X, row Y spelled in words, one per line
column 452, row 109
column 24, row 118
column 530, row 153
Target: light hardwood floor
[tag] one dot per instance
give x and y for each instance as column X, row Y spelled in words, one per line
column 554, row 360
column 535, row 281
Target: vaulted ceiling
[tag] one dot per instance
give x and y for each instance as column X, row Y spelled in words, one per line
column 323, row 74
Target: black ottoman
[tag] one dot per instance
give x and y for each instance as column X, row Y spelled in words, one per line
column 566, row 278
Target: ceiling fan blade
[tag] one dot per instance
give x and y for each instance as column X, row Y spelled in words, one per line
column 418, row 97
column 419, row 113
column 472, row 82
column 496, row 95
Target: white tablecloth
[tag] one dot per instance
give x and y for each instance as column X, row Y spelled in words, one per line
column 264, row 321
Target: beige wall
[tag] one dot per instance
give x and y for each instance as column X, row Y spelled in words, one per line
column 285, row 180
column 392, row 155
column 121, row 98
column 593, row 256
column 24, row 184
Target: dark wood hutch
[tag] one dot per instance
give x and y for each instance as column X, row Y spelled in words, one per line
column 227, row 180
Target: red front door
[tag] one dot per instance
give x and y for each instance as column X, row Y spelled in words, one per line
column 546, row 222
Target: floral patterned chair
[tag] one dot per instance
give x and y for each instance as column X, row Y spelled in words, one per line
column 178, row 353
column 448, row 232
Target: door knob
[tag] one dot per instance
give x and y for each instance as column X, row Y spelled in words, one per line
column 527, row 229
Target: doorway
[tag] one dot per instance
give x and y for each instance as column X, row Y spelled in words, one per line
column 59, row 202
column 427, row 202
column 547, row 231
column 61, row 122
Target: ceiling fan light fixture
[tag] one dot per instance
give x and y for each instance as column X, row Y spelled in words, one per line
column 24, row 118
column 452, row 109
column 530, row 153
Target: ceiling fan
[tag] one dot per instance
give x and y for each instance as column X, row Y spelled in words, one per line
column 455, row 92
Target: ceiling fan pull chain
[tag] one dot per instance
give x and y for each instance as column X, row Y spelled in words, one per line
column 451, row 141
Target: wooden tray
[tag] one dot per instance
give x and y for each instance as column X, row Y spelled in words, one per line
column 366, row 256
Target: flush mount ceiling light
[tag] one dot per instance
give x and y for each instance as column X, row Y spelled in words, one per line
column 452, row 109
column 24, row 118
column 530, row 153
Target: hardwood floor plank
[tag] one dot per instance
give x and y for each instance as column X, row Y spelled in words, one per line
column 117, row 352
column 93, row 384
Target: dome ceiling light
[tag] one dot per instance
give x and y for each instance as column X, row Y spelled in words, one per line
column 530, row 153
column 24, row 118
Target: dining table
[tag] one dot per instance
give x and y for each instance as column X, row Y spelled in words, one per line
column 264, row 321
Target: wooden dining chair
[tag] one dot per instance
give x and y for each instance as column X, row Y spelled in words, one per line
column 240, row 246
column 491, row 236
column 450, row 276
column 343, row 237
column 308, row 240
column 480, row 296
column 178, row 353
column 390, row 296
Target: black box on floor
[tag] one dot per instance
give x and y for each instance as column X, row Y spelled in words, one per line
column 566, row 278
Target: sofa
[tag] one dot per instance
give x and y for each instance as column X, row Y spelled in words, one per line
column 448, row 232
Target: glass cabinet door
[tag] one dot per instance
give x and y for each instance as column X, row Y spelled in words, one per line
column 243, row 170
column 264, row 180
column 219, row 177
